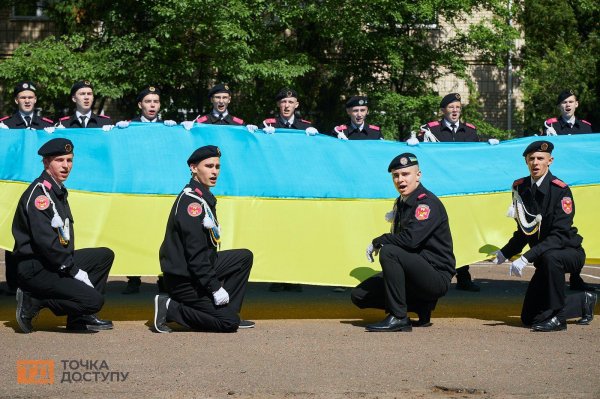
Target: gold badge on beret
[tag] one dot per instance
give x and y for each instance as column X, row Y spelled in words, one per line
column 68, row 147
column 403, row 161
column 226, row 87
column 572, row 92
column 86, row 82
column 290, row 94
column 151, row 88
column 361, row 102
column 544, row 146
column 457, row 96
column 25, row 86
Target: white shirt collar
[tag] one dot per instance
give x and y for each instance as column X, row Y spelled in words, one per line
column 216, row 113
column 448, row 124
column 361, row 127
column 79, row 114
column 23, row 115
column 144, row 119
column 540, row 180
column 290, row 121
column 571, row 120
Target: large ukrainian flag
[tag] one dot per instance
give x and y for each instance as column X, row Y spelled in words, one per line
column 306, row 206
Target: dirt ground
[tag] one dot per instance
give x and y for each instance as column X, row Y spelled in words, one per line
column 310, row 345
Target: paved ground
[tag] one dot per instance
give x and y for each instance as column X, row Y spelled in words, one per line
column 313, row 345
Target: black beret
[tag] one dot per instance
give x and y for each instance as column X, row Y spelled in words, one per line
column 564, row 95
column 22, row 86
column 539, row 146
column 285, row 93
column 147, row 90
column 403, row 161
column 202, row 153
column 56, row 147
column 357, row 101
column 449, row 99
column 79, row 85
column 220, row 88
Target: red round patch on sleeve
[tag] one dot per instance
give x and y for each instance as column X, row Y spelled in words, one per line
column 422, row 212
column 194, row 209
column 567, row 205
column 41, row 202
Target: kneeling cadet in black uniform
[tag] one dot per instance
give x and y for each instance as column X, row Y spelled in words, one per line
column 50, row 272
column 416, row 257
column 206, row 288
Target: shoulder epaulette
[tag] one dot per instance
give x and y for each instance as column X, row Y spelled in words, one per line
column 202, row 119
column 270, row 120
column 421, row 196
column 551, row 121
column 433, row 123
column 374, row 127
column 64, row 118
column 471, row 126
column 104, row 116
column 517, row 182
column 197, row 190
column 342, row 127
column 47, row 184
column 559, row 183
column 237, row 120
column 305, row 121
column 586, row 122
column 47, row 119
column 4, row 118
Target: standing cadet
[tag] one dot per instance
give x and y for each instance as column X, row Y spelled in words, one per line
column 220, row 97
column 416, row 258
column 544, row 209
column 451, row 129
column 25, row 117
column 82, row 94
column 206, row 288
column 287, row 103
column 51, row 273
column 357, row 108
column 567, row 123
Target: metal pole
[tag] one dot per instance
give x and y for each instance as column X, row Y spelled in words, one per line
column 509, row 73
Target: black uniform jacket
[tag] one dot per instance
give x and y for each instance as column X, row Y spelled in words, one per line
column 139, row 119
column 227, row 120
column 279, row 122
column 95, row 121
column 368, row 132
column 35, row 238
column 554, row 201
column 187, row 249
column 561, row 127
column 421, row 226
column 16, row 122
column 464, row 132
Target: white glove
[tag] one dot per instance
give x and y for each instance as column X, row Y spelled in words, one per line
column 499, row 258
column 83, row 277
column 169, row 123
column 187, row 125
column 122, row 124
column 413, row 140
column 371, row 250
column 60, row 126
column 221, row 297
column 269, row 129
column 311, row 131
column 389, row 216
column 49, row 129
column 3, row 126
column 517, row 266
column 252, row 128
column 107, row 128
column 493, row 141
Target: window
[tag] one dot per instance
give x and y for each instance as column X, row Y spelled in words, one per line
column 29, row 9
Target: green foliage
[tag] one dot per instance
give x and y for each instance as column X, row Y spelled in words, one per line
column 328, row 50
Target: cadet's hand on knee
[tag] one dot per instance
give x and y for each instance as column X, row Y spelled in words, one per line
column 372, row 251
column 83, row 277
column 499, row 258
column 517, row 266
column 221, row 297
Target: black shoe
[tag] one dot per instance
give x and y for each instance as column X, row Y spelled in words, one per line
column 467, row 286
column 160, row 314
column 246, row 324
column 552, row 324
column 27, row 309
column 424, row 319
column 390, row 324
column 588, row 309
column 88, row 323
column 133, row 286
column 576, row 283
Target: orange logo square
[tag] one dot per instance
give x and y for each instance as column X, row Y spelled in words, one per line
column 35, row 371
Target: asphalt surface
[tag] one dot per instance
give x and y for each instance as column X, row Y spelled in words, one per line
column 309, row 344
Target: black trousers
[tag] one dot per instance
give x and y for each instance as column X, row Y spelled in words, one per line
column 407, row 283
column 63, row 294
column 193, row 307
column 545, row 296
column 11, row 270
